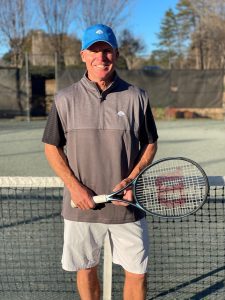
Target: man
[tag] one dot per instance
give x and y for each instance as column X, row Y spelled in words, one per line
column 99, row 135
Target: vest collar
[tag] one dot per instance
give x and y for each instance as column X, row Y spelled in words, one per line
column 92, row 86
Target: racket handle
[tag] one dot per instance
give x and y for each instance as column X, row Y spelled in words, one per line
column 100, row 199
column 73, row 205
column 97, row 199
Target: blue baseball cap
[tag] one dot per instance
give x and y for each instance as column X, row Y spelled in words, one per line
column 98, row 33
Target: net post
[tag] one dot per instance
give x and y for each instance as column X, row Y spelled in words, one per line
column 107, row 270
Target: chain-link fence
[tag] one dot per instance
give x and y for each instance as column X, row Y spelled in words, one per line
column 28, row 90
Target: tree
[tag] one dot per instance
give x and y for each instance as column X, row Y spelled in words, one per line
column 112, row 13
column 169, row 41
column 193, row 30
column 202, row 24
column 15, row 22
column 212, row 31
column 168, row 30
column 163, row 58
column 130, row 47
column 58, row 16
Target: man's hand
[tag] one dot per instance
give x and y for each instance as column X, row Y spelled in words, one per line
column 128, row 194
column 82, row 197
column 80, row 194
column 146, row 157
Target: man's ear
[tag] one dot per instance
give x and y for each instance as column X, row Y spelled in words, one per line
column 117, row 54
column 82, row 56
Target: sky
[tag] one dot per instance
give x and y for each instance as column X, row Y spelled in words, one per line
column 146, row 18
column 144, row 21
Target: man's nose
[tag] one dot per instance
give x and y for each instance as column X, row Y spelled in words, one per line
column 100, row 54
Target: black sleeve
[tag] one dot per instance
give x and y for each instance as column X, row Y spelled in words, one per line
column 53, row 133
column 148, row 131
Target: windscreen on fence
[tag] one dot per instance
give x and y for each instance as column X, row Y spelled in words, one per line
column 168, row 88
column 12, row 91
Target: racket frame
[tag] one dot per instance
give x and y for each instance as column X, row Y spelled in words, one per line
column 110, row 198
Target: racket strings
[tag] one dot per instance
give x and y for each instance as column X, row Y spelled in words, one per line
column 172, row 190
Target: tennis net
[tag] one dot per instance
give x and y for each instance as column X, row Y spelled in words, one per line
column 187, row 258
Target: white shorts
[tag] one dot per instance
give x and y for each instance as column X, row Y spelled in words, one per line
column 83, row 242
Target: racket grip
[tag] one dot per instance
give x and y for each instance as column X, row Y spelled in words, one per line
column 100, row 199
column 73, row 205
column 97, row 199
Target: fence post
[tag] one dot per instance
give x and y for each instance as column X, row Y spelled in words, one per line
column 56, row 72
column 223, row 105
column 27, row 86
column 107, row 270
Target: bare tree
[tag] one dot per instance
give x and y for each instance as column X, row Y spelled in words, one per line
column 206, row 8
column 58, row 16
column 211, row 31
column 112, row 13
column 129, row 47
column 15, row 22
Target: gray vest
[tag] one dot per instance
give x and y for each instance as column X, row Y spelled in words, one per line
column 102, row 134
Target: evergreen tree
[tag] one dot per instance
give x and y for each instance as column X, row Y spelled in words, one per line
column 169, row 38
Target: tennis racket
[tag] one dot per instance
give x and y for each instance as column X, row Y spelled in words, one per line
column 170, row 188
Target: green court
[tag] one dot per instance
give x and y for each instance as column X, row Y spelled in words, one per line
column 202, row 140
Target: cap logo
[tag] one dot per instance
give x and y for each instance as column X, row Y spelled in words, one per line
column 99, row 31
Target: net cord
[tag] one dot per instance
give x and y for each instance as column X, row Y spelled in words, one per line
column 36, row 182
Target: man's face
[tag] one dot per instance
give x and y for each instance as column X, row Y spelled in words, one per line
column 100, row 59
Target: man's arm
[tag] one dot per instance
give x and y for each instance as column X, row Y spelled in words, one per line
column 80, row 194
column 147, row 155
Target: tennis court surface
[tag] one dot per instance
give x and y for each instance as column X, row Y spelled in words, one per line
column 187, row 256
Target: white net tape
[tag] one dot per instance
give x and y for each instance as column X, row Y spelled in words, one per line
column 19, row 181
column 30, row 182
